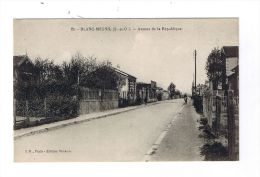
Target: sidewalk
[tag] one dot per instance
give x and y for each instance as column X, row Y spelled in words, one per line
column 182, row 142
column 82, row 118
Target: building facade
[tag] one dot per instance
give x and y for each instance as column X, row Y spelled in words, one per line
column 146, row 92
column 127, row 91
column 232, row 68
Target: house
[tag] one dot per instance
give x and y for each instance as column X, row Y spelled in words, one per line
column 165, row 95
column 233, row 80
column 232, row 67
column 23, row 75
column 146, row 92
column 232, row 73
column 141, row 92
column 162, row 94
column 152, row 94
column 127, row 91
column 215, row 102
column 23, row 68
column 231, row 54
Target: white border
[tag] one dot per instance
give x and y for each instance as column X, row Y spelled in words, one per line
column 248, row 13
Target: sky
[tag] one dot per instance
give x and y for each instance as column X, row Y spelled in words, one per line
column 142, row 48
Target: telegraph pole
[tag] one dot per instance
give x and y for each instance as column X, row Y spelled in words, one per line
column 195, row 53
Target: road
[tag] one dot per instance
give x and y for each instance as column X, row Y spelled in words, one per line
column 182, row 142
column 122, row 137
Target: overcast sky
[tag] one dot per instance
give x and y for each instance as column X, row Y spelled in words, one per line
column 159, row 55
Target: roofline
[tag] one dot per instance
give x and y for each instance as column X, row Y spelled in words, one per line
column 122, row 72
column 236, row 54
column 21, row 61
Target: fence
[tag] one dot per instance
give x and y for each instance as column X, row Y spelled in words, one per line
column 39, row 110
column 53, row 108
column 233, row 126
column 215, row 110
column 222, row 113
column 94, row 100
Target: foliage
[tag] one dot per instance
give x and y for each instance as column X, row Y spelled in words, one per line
column 214, row 151
column 203, row 121
column 171, row 90
column 57, row 108
column 78, row 69
column 177, row 92
column 215, row 67
column 46, row 71
column 104, row 77
column 48, row 78
column 59, row 85
column 198, row 103
column 60, row 106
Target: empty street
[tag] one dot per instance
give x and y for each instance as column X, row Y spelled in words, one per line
column 123, row 137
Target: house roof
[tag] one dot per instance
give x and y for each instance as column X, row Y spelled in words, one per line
column 23, row 63
column 123, row 73
column 142, row 84
column 18, row 60
column 231, row 51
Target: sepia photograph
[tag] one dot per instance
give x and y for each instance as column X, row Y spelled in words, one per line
column 125, row 89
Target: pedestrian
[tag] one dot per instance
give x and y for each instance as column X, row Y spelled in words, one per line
column 185, row 98
column 145, row 100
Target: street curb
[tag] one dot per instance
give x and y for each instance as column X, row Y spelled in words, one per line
column 54, row 127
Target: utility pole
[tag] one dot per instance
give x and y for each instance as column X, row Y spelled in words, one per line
column 195, row 54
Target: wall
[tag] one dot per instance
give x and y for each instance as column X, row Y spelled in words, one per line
column 124, row 89
column 87, row 107
column 165, row 96
column 231, row 63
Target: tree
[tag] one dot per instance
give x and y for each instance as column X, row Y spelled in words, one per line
column 49, row 77
column 47, row 71
column 177, row 92
column 87, row 72
column 171, row 90
column 78, row 68
column 104, row 77
column 216, row 69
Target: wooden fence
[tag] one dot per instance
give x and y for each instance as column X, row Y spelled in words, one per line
column 215, row 110
column 59, row 107
column 222, row 113
column 233, row 126
column 94, row 100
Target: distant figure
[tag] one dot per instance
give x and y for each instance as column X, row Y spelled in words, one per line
column 145, row 100
column 185, row 98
